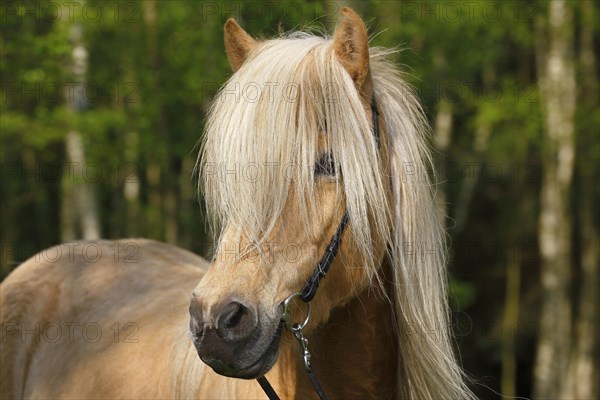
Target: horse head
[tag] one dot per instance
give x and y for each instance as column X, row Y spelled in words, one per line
column 284, row 157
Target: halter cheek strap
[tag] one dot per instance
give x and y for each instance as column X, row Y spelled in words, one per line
column 309, row 290
column 312, row 284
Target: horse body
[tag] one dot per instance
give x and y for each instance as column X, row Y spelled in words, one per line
column 75, row 328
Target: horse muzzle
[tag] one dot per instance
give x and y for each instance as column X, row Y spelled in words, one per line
column 231, row 338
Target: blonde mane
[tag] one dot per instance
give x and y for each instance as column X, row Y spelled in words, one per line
column 260, row 146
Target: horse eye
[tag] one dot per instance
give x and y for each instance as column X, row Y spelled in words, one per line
column 325, row 165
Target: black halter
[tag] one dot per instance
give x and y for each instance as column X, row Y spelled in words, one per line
column 309, row 290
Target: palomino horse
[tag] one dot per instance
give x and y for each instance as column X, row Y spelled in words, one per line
column 290, row 150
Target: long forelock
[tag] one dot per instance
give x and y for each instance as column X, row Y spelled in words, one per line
column 258, row 149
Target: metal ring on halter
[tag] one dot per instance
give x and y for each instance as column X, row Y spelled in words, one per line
column 287, row 314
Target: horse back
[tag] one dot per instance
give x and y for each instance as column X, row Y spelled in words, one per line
column 83, row 317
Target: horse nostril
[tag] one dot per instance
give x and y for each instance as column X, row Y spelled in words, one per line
column 235, row 321
column 234, row 318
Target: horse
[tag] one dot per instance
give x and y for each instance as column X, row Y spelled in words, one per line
column 311, row 137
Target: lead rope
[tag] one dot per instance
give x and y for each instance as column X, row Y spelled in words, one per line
column 270, row 392
column 296, row 330
column 268, row 389
column 309, row 290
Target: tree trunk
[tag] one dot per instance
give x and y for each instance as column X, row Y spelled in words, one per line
column 68, row 226
column 162, row 177
column 188, row 226
column 557, row 85
column 170, row 210
column 509, row 323
column 443, row 138
column 131, row 185
column 584, row 375
column 82, row 191
column 474, row 171
column 154, row 208
column 77, row 185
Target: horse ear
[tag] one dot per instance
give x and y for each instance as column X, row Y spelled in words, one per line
column 351, row 45
column 238, row 44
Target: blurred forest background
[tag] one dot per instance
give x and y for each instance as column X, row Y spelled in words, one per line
column 103, row 103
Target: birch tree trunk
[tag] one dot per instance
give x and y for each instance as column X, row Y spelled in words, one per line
column 557, row 85
column 77, row 187
column 68, row 229
column 83, row 191
column 131, row 185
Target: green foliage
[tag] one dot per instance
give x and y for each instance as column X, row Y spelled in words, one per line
column 512, row 137
column 462, row 294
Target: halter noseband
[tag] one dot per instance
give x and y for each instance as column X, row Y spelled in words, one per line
column 309, row 290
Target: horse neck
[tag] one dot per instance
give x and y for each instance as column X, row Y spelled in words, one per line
column 354, row 355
